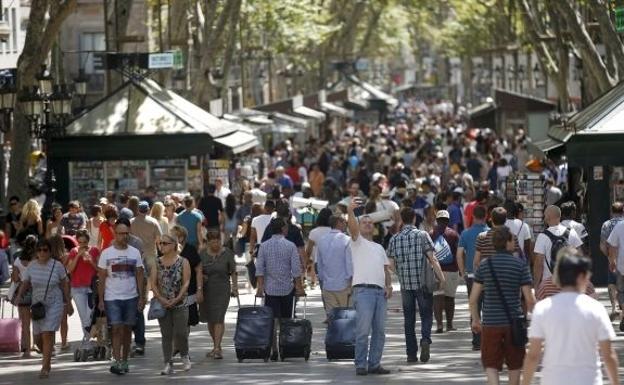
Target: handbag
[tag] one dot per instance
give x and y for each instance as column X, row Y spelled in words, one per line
column 519, row 335
column 156, row 310
column 37, row 310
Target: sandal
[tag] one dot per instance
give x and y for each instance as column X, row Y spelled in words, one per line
column 211, row 353
column 44, row 373
column 217, row 355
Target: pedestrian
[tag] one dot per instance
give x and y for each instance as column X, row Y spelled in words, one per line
column 107, row 227
column 617, row 214
column 279, row 274
column 192, row 222
column 230, row 223
column 501, row 277
column 94, row 223
column 169, row 282
column 214, row 288
column 212, row 208
column 572, row 329
column 334, row 264
column 409, row 250
column 82, row 269
column 12, row 219
column 121, row 292
column 54, row 226
column 293, row 234
column 21, row 263
column 519, row 228
column 170, row 212
column 444, row 298
column 221, row 191
column 321, row 229
column 259, row 225
column 157, row 212
column 148, row 230
column 73, row 220
column 58, row 251
column 190, row 253
column 30, row 222
column 548, row 244
column 372, row 288
column 50, row 288
column 465, row 258
column 485, row 246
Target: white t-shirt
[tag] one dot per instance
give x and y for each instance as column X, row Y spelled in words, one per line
column 315, row 235
column 369, row 259
column 388, row 205
column 520, row 230
column 571, row 325
column 578, row 227
column 616, row 239
column 260, row 223
column 121, row 268
column 543, row 245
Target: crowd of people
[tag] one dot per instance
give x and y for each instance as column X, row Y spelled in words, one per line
column 422, row 199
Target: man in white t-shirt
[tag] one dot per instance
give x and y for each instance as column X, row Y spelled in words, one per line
column 518, row 228
column 259, row 225
column 616, row 263
column 543, row 265
column 372, row 287
column 121, row 293
column 572, row 328
column 568, row 213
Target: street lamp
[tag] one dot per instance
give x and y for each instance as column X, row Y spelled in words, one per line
column 80, row 86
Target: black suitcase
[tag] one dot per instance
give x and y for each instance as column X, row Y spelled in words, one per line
column 254, row 332
column 340, row 337
column 295, row 336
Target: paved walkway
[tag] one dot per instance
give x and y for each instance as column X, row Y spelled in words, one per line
column 452, row 361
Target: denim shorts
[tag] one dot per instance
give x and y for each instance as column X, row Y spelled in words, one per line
column 122, row 311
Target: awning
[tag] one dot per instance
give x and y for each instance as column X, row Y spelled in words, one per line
column 292, row 120
column 310, row 113
column 542, row 147
column 371, row 92
column 331, row 108
column 481, row 109
column 286, row 129
column 238, row 141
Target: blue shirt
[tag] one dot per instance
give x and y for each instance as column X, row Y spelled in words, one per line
column 468, row 241
column 334, row 263
column 285, row 181
column 455, row 213
column 278, row 262
column 190, row 219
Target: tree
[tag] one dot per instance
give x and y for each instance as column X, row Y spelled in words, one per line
column 44, row 23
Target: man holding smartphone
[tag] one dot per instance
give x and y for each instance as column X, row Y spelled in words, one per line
column 372, row 287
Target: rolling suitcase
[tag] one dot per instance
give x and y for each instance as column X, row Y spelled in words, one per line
column 295, row 337
column 254, row 332
column 10, row 330
column 340, row 337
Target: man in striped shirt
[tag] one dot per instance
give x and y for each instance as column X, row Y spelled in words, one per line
column 485, row 246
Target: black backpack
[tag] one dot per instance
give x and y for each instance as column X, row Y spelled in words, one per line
column 557, row 243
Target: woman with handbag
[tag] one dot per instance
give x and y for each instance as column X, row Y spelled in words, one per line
column 50, row 296
column 170, row 281
column 20, row 265
column 214, row 294
column 503, row 331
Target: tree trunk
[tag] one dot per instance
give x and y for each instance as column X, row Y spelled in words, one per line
column 609, row 35
column 585, row 45
column 233, row 16
column 40, row 35
column 117, row 17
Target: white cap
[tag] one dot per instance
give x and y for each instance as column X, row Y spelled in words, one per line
column 443, row 214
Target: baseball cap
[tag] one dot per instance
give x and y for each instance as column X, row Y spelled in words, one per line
column 144, row 207
column 442, row 214
column 126, row 213
column 458, row 190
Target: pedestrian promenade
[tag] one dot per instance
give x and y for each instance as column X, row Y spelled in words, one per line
column 452, row 360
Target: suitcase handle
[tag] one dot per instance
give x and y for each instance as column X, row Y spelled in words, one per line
column 305, row 306
column 3, row 302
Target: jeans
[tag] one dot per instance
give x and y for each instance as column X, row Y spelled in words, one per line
column 174, row 332
column 370, row 306
column 84, row 306
column 476, row 338
column 424, row 301
column 139, row 329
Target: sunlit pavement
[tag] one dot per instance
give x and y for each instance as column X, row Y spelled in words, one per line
column 452, row 360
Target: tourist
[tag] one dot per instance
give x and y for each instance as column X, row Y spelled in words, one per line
column 73, row 220
column 107, row 227
column 30, row 222
column 617, row 215
column 189, row 252
column 21, row 263
column 321, row 228
column 157, row 212
column 93, row 225
column 211, row 207
column 169, row 282
column 54, row 225
column 148, row 230
column 259, row 225
column 192, row 222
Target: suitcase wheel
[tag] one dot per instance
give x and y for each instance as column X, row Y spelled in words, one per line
column 77, row 355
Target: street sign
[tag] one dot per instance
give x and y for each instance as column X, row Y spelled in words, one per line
column 619, row 19
column 160, row 60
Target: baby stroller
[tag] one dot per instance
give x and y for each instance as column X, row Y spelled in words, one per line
column 100, row 349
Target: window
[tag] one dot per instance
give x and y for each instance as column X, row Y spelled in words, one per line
column 91, row 61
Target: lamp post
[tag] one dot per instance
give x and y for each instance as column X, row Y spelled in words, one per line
column 7, row 101
column 47, row 106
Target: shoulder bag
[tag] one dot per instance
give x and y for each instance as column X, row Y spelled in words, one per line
column 156, row 310
column 38, row 310
column 519, row 335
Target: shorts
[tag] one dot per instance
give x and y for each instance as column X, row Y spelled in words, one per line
column 620, row 287
column 282, row 306
column 122, row 311
column 497, row 348
column 450, row 285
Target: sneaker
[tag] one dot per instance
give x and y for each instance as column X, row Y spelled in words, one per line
column 116, row 368
column 186, row 362
column 361, row 371
column 411, row 360
column 424, row 351
column 139, row 350
column 125, row 367
column 378, row 370
column 167, row 370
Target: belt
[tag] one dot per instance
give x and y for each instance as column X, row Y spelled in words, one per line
column 368, row 286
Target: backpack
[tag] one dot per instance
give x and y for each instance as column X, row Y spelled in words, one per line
column 442, row 250
column 557, row 243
